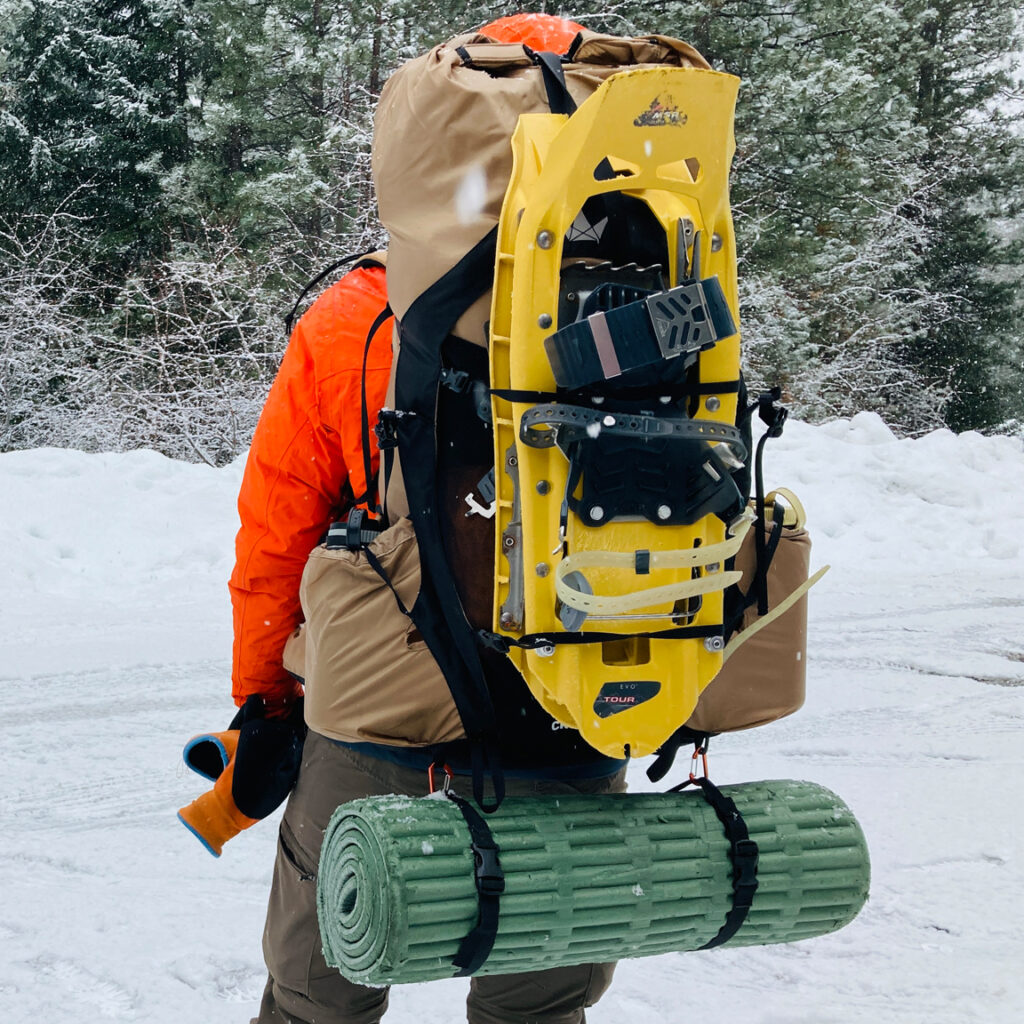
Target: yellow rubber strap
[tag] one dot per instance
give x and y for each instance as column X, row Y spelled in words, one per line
column 682, row 558
column 780, row 609
column 598, row 604
column 796, row 517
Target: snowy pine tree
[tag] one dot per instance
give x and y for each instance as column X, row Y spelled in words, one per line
column 200, row 159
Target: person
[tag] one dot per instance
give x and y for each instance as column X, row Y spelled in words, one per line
column 305, row 468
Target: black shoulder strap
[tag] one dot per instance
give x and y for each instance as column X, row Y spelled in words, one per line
column 559, row 99
column 438, row 611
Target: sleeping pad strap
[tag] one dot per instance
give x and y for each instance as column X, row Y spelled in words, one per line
column 490, row 884
column 743, row 852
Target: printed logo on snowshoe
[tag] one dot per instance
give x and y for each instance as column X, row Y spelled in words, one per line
column 581, row 230
column 660, row 115
column 617, row 697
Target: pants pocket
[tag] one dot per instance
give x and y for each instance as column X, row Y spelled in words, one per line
column 291, row 935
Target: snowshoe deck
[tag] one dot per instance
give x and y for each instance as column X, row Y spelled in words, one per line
column 612, row 514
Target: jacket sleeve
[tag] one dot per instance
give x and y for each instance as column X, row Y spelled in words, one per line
column 291, row 490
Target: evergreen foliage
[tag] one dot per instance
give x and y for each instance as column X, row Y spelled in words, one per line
column 172, row 171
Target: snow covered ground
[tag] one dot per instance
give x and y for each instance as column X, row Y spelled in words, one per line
column 115, row 646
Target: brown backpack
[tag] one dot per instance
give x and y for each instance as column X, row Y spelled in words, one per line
column 417, row 599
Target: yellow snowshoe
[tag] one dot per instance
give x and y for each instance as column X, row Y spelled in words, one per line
column 614, row 401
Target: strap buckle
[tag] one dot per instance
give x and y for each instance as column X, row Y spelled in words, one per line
column 454, row 380
column 386, row 429
column 353, row 533
column 490, row 880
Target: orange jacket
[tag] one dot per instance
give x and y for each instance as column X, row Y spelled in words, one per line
column 307, row 444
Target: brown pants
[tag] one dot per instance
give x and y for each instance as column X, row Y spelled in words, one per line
column 303, row 989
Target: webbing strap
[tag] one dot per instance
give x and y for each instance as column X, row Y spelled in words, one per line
column 490, row 884
column 661, row 326
column 289, row 320
column 615, row 605
column 521, row 395
column 644, row 562
column 382, row 317
column 775, row 613
column 539, row 641
column 764, row 554
column 743, row 852
column 379, row 569
column 559, row 99
column 674, row 391
column 438, row 612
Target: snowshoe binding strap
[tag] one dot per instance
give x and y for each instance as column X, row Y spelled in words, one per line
column 706, row 562
column 664, row 325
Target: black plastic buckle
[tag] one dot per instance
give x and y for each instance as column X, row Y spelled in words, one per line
column 494, row 641
column 454, row 380
column 773, row 416
column 386, row 429
column 490, row 880
column 353, row 533
column 353, row 529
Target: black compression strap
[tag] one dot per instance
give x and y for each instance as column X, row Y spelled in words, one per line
column 559, row 99
column 765, row 553
column 717, row 387
column 533, row 641
column 723, row 387
column 490, row 884
column 375, row 565
column 519, row 395
column 762, row 563
column 659, row 327
column 760, row 588
column 743, row 852
column 774, row 417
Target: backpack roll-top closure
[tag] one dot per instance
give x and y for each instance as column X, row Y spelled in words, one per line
column 589, row 48
column 441, row 154
column 654, row 50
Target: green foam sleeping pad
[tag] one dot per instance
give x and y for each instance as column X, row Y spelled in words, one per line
column 587, row 878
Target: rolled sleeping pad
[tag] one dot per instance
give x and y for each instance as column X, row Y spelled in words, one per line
column 588, row 879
